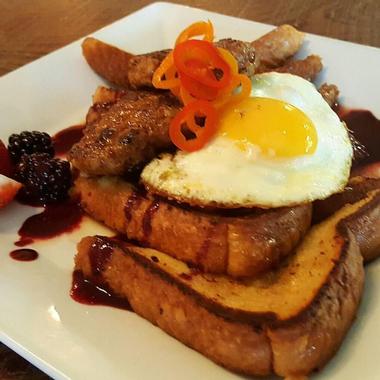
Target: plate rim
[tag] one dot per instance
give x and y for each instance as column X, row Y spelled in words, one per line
column 20, row 349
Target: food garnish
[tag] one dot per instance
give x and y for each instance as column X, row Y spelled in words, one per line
column 197, row 61
column 8, row 186
column 6, row 167
column 29, row 142
column 8, row 190
column 45, row 179
column 200, row 28
column 203, row 134
column 206, row 79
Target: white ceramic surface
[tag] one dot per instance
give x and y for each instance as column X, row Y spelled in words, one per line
column 39, row 320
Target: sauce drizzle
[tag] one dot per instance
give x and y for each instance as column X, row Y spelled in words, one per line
column 100, row 253
column 132, row 202
column 25, row 254
column 365, row 128
column 65, row 139
column 147, row 220
column 88, row 292
column 54, row 220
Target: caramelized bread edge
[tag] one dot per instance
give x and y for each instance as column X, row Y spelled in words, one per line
column 238, row 246
column 239, row 345
column 256, row 318
column 250, row 344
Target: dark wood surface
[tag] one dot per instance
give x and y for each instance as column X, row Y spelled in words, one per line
column 31, row 29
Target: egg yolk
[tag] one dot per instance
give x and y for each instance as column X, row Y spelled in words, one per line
column 276, row 127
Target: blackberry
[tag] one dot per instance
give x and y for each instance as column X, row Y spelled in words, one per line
column 45, row 179
column 29, row 143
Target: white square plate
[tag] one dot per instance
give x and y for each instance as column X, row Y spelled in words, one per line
column 39, row 320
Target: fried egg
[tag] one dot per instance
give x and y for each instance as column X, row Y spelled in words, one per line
column 282, row 146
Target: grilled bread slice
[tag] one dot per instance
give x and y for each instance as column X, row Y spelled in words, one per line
column 288, row 322
column 367, row 233
column 239, row 246
column 357, row 188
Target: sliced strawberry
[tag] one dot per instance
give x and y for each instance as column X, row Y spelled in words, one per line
column 6, row 167
column 8, row 190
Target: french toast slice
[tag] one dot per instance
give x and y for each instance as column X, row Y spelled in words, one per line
column 288, row 322
column 367, row 233
column 239, row 246
column 357, row 188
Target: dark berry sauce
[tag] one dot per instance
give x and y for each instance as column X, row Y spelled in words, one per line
column 147, row 219
column 65, row 139
column 88, row 292
column 54, row 220
column 25, row 200
column 24, row 242
column 365, row 128
column 100, row 253
column 132, row 202
column 24, row 254
column 93, row 291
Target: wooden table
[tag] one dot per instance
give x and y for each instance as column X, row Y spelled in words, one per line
column 30, row 29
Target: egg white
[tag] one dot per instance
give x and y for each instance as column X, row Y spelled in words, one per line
column 221, row 174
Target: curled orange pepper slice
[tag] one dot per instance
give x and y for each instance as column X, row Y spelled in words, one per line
column 200, row 28
column 245, row 85
column 201, row 61
column 161, row 72
column 230, row 59
column 185, row 96
column 239, row 89
column 170, row 75
column 187, row 117
column 206, row 79
column 198, row 90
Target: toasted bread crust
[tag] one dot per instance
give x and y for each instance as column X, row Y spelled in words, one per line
column 314, row 261
column 365, row 226
column 175, row 312
column 356, row 189
column 239, row 246
column 294, row 348
column 306, row 344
